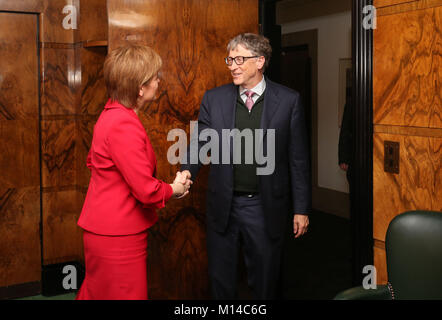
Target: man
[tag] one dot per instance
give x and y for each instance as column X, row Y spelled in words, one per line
column 346, row 142
column 243, row 206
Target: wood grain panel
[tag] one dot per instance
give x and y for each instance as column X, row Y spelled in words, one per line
column 22, row 5
column 51, row 22
column 58, row 153
column 84, row 139
column 418, row 186
column 93, row 23
column 19, row 160
column 380, row 262
column 62, row 238
column 20, row 239
column 18, row 81
column 385, row 3
column 191, row 36
column 93, row 88
column 408, row 6
column 61, row 78
column 408, row 69
column 409, row 131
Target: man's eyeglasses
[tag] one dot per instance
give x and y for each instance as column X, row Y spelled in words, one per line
column 239, row 60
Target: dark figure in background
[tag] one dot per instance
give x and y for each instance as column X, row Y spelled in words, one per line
column 346, row 142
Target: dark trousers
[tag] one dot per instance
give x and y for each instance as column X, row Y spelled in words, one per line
column 262, row 255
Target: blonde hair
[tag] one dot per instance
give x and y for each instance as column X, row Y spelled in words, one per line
column 128, row 68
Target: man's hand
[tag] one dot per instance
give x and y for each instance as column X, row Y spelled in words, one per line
column 344, row 166
column 300, row 225
column 184, row 179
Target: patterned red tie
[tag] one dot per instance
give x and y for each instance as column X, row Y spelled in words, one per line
column 249, row 101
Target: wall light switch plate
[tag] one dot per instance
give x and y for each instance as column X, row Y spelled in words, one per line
column 391, row 157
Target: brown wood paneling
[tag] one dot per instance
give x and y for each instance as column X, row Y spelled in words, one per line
column 93, row 20
column 61, row 77
column 84, row 139
column 409, row 131
column 19, row 159
column 418, row 186
column 407, row 6
column 58, row 153
column 51, row 22
column 62, row 238
column 408, row 69
column 386, row 3
column 93, row 99
column 19, row 67
column 20, row 239
column 93, row 88
column 22, row 5
column 380, row 263
column 191, row 36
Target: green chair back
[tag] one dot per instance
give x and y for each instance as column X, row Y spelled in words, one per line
column 414, row 255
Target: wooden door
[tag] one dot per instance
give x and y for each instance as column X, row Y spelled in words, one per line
column 20, row 249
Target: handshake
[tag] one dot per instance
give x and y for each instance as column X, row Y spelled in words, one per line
column 181, row 184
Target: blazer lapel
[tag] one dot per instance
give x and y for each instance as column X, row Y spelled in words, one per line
column 271, row 103
column 229, row 108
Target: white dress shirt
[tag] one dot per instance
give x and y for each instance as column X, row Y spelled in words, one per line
column 258, row 90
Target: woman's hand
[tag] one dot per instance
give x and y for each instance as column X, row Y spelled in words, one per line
column 181, row 184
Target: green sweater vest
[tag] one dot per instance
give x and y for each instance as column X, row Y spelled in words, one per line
column 244, row 175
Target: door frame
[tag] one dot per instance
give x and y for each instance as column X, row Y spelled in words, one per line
column 362, row 178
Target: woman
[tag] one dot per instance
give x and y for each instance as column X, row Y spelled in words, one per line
column 123, row 192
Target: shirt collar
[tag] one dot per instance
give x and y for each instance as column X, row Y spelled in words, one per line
column 258, row 89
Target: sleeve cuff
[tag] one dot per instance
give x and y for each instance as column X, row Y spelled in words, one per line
column 168, row 192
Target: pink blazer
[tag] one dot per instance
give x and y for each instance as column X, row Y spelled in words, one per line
column 123, row 193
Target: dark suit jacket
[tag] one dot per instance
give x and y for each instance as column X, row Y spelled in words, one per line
column 284, row 192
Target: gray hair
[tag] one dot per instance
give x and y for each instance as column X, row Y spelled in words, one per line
column 257, row 44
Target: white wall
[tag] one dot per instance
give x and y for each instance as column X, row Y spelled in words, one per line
column 334, row 43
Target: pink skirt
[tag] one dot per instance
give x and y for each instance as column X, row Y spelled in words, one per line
column 116, row 267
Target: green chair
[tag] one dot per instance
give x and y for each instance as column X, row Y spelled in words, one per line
column 413, row 246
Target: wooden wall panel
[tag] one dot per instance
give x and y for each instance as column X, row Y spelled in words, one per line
column 386, row 3
column 191, row 36
column 60, row 80
column 408, row 69
column 51, row 21
column 19, row 159
column 22, row 5
column 380, row 261
column 58, row 153
column 62, row 239
column 72, row 96
column 418, row 186
column 92, row 21
column 407, row 109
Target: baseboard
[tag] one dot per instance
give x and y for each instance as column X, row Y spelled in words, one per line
column 56, row 276
column 20, row 290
